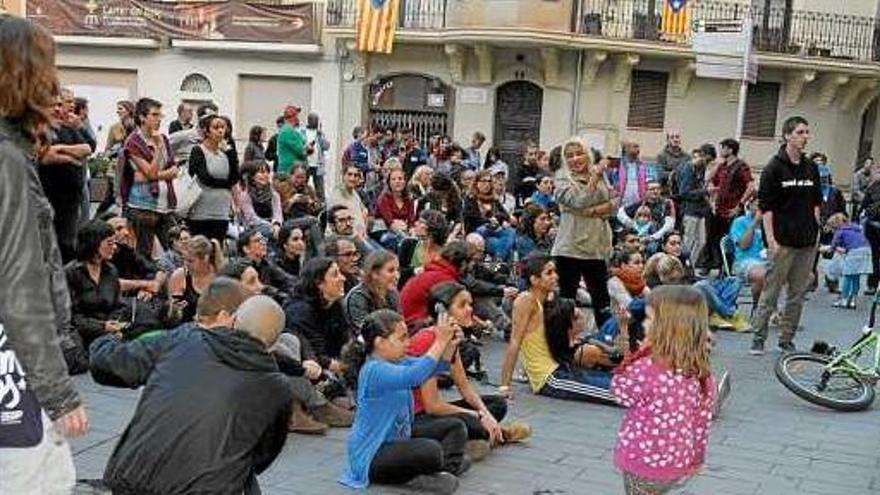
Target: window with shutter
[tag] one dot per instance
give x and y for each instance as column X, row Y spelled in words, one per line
column 762, row 105
column 647, row 99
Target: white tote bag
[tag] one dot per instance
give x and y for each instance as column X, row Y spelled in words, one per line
column 187, row 190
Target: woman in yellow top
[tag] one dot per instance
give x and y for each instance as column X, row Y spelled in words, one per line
column 555, row 364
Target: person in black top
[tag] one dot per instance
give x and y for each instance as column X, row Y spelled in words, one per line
column 203, row 259
column 214, row 409
column 184, row 119
column 253, row 246
column 61, row 172
column 789, row 198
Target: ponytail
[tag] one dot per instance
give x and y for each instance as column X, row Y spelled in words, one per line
column 379, row 323
column 218, row 260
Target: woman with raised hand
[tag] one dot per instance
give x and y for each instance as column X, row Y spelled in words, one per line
column 382, row 445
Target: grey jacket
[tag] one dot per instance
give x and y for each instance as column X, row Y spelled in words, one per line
column 34, row 303
column 580, row 236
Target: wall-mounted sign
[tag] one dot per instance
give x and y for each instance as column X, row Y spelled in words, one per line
column 239, row 20
column 436, row 100
column 474, row 96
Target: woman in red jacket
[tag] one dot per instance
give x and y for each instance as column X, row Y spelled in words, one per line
column 396, row 208
column 414, row 296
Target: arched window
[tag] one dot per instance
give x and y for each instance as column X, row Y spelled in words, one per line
column 196, row 83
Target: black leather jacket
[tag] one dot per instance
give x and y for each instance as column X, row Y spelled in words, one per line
column 34, row 303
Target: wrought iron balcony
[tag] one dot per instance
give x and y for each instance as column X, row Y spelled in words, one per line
column 776, row 30
column 414, row 14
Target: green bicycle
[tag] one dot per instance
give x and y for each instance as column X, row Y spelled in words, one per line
column 840, row 380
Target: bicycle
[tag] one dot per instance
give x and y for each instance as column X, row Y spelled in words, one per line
column 839, row 380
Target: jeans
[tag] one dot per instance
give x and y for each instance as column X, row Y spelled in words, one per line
column 595, row 274
column 578, row 384
column 147, row 225
column 45, row 468
column 436, row 445
column 790, row 268
column 694, row 237
column 496, row 405
column 849, row 288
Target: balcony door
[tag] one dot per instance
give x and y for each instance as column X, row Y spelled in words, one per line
column 773, row 25
column 517, row 119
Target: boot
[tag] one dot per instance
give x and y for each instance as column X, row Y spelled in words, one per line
column 333, row 415
column 300, row 422
column 515, row 432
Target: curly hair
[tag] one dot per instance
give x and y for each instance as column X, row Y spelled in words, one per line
column 29, row 80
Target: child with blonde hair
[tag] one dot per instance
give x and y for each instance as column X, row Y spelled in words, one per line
column 668, row 389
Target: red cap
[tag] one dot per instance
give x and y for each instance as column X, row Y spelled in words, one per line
column 291, row 111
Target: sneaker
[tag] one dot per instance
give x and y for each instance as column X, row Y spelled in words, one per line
column 722, row 393
column 477, row 450
column 442, row 483
column 520, row 376
column 840, row 303
column 334, row 416
column 787, row 347
column 757, row 348
column 515, row 432
column 851, row 304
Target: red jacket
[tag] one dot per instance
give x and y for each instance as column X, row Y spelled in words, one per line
column 387, row 209
column 414, row 296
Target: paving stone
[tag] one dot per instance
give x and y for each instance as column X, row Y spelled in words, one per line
column 767, row 441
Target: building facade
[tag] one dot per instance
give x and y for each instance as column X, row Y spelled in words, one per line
column 516, row 70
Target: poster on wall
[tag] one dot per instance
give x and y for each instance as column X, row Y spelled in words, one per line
column 232, row 20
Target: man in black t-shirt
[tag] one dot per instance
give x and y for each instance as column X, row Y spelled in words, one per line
column 789, row 197
column 61, row 172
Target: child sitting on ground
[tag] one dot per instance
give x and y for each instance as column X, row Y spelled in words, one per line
column 852, row 258
column 667, row 386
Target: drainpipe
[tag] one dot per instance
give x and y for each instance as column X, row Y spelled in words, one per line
column 579, row 74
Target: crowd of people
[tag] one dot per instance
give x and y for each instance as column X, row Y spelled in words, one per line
column 219, row 280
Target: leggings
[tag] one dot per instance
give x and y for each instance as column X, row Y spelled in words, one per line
column 579, row 384
column 595, row 274
column 436, row 445
column 496, row 405
column 212, row 229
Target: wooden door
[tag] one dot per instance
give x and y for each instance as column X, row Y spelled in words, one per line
column 517, row 119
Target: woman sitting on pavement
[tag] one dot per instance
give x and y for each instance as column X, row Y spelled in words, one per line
column 431, row 232
column 315, row 313
column 172, row 259
column 293, row 242
column 627, row 278
column 203, row 259
column 377, row 289
column 481, row 414
column 384, row 446
column 484, row 214
column 255, row 201
column 532, row 336
column 534, row 231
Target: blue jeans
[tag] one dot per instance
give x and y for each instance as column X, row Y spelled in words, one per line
column 849, row 288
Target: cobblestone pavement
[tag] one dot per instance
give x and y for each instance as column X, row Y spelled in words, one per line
column 767, row 441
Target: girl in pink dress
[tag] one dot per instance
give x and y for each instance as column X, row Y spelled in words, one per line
column 668, row 389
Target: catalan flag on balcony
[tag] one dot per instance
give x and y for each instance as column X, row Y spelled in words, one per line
column 377, row 22
column 675, row 21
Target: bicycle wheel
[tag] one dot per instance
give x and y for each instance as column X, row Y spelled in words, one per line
column 806, row 375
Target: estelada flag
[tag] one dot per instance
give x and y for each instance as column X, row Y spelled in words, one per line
column 377, row 23
column 675, row 21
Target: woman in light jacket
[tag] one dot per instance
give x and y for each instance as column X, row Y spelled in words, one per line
column 583, row 241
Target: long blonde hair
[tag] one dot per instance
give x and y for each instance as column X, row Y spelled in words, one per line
column 202, row 247
column 679, row 336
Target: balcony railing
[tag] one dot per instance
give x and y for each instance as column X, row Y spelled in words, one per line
column 414, row 14
column 777, row 30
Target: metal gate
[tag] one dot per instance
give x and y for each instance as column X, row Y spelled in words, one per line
column 517, row 119
column 423, row 124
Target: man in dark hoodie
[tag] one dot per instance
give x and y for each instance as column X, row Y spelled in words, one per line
column 196, row 428
column 789, row 198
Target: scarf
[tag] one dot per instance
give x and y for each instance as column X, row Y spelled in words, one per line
column 261, row 197
column 135, row 145
column 632, row 279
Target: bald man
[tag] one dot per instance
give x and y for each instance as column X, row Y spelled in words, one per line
column 214, row 408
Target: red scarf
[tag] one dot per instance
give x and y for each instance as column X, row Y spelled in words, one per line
column 632, row 279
